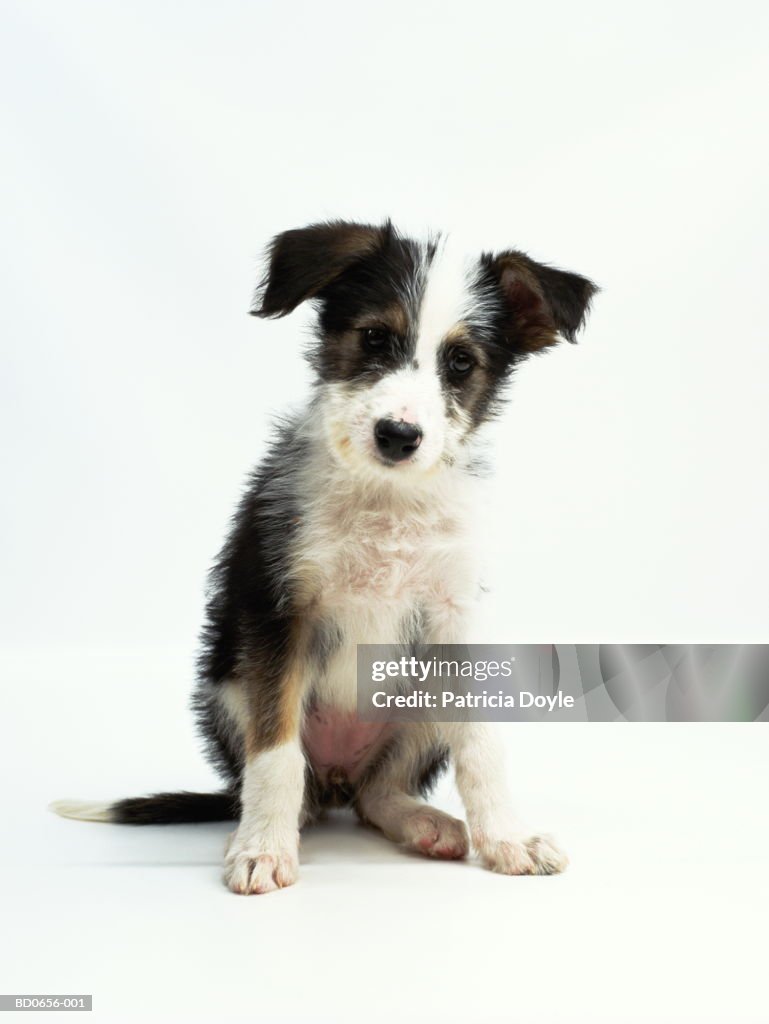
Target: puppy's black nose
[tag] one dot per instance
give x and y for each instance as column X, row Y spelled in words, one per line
column 397, row 440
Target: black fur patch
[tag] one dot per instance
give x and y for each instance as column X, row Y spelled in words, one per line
column 301, row 262
column 383, row 289
column 176, row 808
column 251, row 614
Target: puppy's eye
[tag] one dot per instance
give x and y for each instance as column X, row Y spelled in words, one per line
column 461, row 362
column 375, row 338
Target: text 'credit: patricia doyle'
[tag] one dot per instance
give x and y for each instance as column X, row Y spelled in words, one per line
column 564, row 682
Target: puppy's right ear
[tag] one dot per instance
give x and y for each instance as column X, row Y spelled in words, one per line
column 300, row 263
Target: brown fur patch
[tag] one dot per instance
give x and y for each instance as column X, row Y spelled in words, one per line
column 543, row 301
column 535, row 326
column 275, row 699
column 469, row 396
column 394, row 317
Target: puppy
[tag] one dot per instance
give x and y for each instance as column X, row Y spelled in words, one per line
column 356, row 528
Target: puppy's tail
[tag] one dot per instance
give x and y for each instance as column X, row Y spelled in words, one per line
column 160, row 809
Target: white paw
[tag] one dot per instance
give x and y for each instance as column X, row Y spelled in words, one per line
column 436, row 834
column 251, row 866
column 521, row 855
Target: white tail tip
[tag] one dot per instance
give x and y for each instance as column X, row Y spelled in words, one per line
column 81, row 810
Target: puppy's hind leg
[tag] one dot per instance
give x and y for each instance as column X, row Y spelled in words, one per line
column 389, row 800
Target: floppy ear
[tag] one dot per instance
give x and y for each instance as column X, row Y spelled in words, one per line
column 301, row 262
column 543, row 302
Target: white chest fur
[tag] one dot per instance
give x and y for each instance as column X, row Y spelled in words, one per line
column 374, row 558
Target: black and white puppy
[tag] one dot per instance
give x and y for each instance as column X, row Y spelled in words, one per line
column 356, row 528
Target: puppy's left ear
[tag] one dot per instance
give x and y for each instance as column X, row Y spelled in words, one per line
column 542, row 302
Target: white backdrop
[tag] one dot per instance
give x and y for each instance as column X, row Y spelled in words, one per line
column 151, row 149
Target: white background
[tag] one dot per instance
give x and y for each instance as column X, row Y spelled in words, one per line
column 150, row 150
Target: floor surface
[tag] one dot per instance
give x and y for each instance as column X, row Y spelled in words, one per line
column 661, row 915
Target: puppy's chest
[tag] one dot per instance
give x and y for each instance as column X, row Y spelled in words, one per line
column 363, row 555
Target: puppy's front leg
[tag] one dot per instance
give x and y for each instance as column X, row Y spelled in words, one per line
column 499, row 838
column 263, row 853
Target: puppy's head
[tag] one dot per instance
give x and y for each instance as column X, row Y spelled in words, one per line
column 415, row 340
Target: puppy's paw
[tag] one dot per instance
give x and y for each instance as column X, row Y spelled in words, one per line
column 250, row 867
column 521, row 855
column 436, row 834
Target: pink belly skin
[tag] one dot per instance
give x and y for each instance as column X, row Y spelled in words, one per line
column 339, row 744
